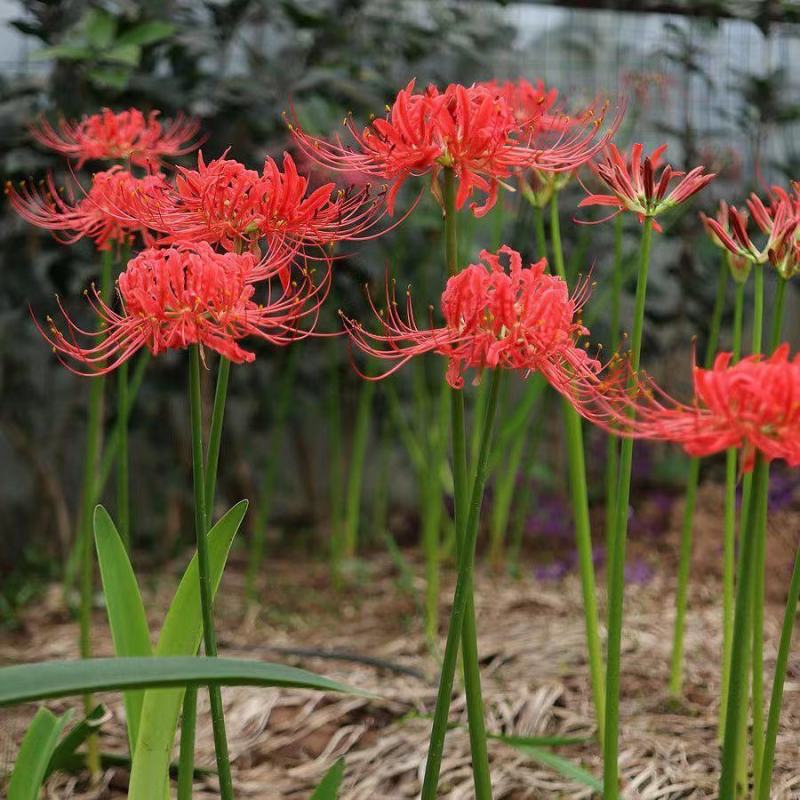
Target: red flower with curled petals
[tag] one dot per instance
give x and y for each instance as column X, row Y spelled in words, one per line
column 123, row 136
column 105, row 214
column 753, row 405
column 174, row 297
column 472, row 130
column 727, row 229
column 224, row 203
column 518, row 318
column 636, row 187
column 778, row 221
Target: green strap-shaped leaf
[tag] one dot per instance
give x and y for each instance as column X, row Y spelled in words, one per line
column 328, row 788
column 42, row 680
column 34, row 755
column 64, row 755
column 180, row 636
column 124, row 606
column 569, row 769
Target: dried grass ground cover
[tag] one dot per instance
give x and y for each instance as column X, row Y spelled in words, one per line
column 534, row 671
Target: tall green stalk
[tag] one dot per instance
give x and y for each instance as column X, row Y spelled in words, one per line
column 580, row 513
column 201, row 519
column 616, row 583
column 458, row 618
column 692, row 480
column 760, row 568
column 740, row 658
column 186, row 753
column 123, row 485
column 94, row 444
column 612, row 445
column 539, row 232
column 729, row 536
column 462, row 616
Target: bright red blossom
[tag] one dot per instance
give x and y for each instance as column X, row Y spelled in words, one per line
column 224, row 203
column 473, row 130
column 779, row 221
column 126, row 135
column 517, row 318
column 104, row 214
column 753, row 405
column 174, row 297
column 636, row 187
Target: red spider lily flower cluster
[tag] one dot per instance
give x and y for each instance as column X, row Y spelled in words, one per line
column 124, row 136
column 519, row 318
column 778, row 221
column 224, row 203
column 636, row 187
column 103, row 214
column 473, row 130
column 753, row 405
column 174, row 297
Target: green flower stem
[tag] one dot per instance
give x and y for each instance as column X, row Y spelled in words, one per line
column 612, row 447
column 457, row 621
column 112, row 445
column 186, row 755
column 729, row 536
column 760, row 567
column 432, row 506
column 255, row 557
column 123, row 486
column 737, row 688
column 215, row 438
column 94, row 444
column 616, row 556
column 555, row 239
column 692, row 480
column 539, row 232
column 747, row 486
column 355, row 473
column 201, row 518
column 784, row 647
column 462, row 616
column 580, row 513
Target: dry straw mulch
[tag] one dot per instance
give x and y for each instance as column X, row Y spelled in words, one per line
column 535, row 680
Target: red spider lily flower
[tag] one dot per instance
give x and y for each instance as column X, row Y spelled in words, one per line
column 128, row 135
column 637, row 188
column 224, row 203
column 531, row 104
column 472, row 130
column 174, row 297
column 778, row 221
column 753, row 405
column 719, row 230
column 103, row 214
column 508, row 318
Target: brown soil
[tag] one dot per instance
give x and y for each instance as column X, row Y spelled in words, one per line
column 535, row 680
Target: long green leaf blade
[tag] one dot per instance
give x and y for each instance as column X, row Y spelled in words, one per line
column 65, row 753
column 25, row 683
column 180, row 636
column 126, row 615
column 34, row 755
column 569, row 769
column 328, row 788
